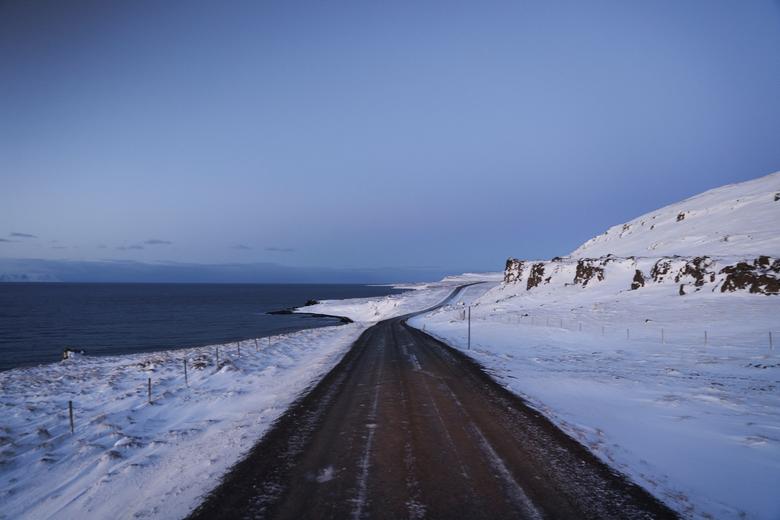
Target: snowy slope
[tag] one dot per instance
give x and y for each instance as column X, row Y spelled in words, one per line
column 656, row 345
column 131, row 459
column 741, row 219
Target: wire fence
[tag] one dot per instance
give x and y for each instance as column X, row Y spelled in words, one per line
column 663, row 332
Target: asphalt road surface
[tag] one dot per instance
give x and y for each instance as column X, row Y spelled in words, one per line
column 406, row 427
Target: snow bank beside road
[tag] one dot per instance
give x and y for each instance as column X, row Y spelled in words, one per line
column 130, row 459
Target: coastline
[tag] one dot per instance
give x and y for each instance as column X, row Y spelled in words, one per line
column 132, row 455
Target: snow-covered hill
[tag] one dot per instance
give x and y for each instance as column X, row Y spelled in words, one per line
column 738, row 219
column 654, row 344
column 723, row 240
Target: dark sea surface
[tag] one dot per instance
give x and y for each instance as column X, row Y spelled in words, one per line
column 38, row 320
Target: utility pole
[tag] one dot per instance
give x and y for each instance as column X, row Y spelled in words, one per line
column 469, row 327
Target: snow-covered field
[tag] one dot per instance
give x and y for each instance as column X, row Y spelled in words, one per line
column 697, row 425
column 131, row 459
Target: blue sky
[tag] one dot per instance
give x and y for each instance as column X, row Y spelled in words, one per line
column 431, row 136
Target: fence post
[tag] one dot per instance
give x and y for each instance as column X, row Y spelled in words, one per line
column 217, row 358
column 628, row 334
column 186, row 379
column 705, row 338
column 238, row 345
column 70, row 414
column 663, row 340
column 771, row 347
column 469, row 327
column 149, row 389
column 257, row 347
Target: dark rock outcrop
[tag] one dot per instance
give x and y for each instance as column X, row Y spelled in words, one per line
column 513, row 272
column 760, row 277
column 697, row 269
column 639, row 280
column 536, row 277
column 588, row 269
column 661, row 268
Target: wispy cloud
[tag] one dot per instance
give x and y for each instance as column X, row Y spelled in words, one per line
column 127, row 248
column 280, row 249
column 157, row 242
column 6, row 240
column 22, row 235
column 242, row 247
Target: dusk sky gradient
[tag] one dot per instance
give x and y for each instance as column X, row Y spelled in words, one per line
column 444, row 136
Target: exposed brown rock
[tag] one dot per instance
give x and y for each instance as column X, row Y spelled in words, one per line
column 661, row 269
column 697, row 269
column 536, row 276
column 758, row 278
column 639, row 280
column 587, row 270
column 513, row 271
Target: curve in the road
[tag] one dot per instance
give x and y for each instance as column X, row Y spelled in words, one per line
column 407, row 427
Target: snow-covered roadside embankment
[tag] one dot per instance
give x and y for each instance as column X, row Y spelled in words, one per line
column 697, row 425
column 131, row 459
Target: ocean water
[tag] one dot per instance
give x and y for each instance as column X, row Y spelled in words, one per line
column 38, row 320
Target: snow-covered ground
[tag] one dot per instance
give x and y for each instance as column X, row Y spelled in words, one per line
column 697, row 425
column 660, row 364
column 627, row 372
column 419, row 296
column 131, row 459
column 734, row 219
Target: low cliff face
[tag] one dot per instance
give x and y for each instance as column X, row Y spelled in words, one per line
column 760, row 275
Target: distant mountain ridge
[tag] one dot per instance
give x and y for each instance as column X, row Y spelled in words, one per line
column 116, row 271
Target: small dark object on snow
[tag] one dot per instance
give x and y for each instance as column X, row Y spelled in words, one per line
column 639, row 280
column 68, row 352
